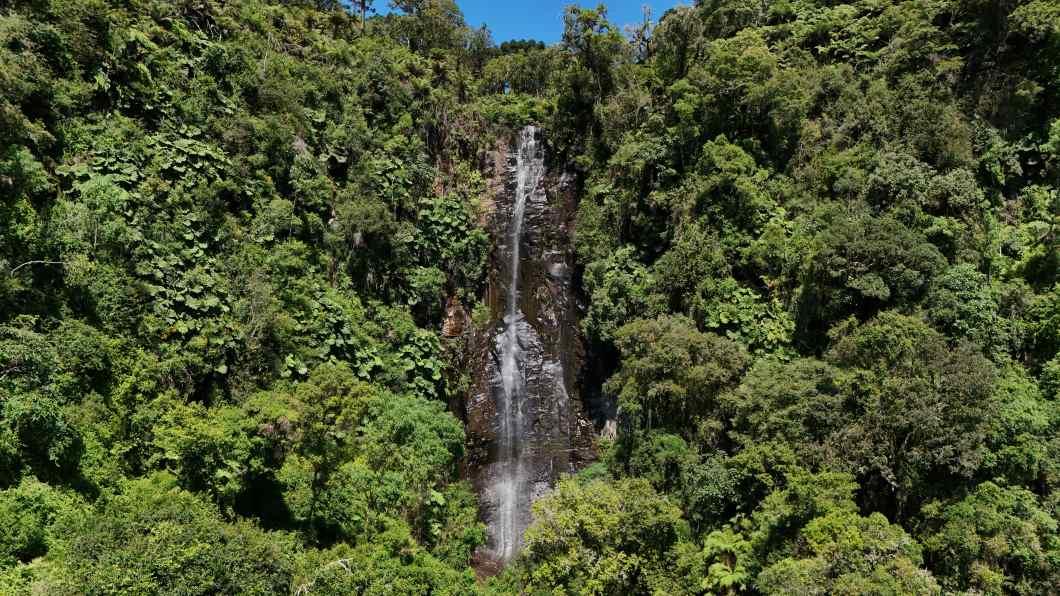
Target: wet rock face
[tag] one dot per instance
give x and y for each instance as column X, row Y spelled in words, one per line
column 526, row 424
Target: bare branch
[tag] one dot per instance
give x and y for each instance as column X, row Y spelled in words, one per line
column 13, row 271
column 304, row 589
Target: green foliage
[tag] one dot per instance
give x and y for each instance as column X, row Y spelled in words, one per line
column 845, row 553
column 820, row 262
column 620, row 289
column 27, row 512
column 1051, row 378
column 671, row 372
column 804, row 496
column 817, row 260
column 961, row 305
column 719, row 567
column 37, row 436
column 600, row 538
column 1022, row 438
column 218, row 224
column 865, row 264
column 520, row 71
column 454, row 530
column 156, row 538
column 995, row 540
column 392, row 563
column 354, row 456
column 211, row 450
column 796, row 403
column 923, row 408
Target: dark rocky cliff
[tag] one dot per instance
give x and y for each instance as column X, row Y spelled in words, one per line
column 555, row 436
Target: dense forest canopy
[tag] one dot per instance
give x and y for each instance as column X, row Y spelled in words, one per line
column 818, row 244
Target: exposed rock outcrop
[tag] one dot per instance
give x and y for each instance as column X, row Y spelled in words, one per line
column 526, row 424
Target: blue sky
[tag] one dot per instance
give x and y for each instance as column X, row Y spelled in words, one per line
column 543, row 19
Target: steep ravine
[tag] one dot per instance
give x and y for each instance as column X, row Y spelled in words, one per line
column 526, row 423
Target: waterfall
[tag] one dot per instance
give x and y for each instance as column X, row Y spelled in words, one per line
column 525, row 425
column 512, row 482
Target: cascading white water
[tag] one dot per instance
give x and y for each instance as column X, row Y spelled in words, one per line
column 512, row 490
column 525, row 424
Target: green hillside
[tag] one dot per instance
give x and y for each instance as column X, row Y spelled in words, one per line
column 818, row 249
